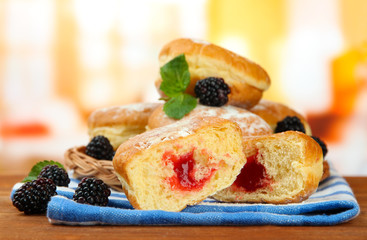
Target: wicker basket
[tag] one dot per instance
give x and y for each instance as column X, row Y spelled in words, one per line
column 86, row 166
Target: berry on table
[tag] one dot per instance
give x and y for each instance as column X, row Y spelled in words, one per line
column 212, row 91
column 33, row 197
column 92, row 191
column 290, row 124
column 100, row 148
column 57, row 174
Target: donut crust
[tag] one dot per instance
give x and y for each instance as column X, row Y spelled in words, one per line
column 119, row 123
column 273, row 112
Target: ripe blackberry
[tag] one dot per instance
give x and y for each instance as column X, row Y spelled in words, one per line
column 290, row 124
column 212, row 91
column 92, row 191
column 322, row 145
column 100, row 148
column 56, row 174
column 32, row 197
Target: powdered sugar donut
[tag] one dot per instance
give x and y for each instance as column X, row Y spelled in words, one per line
column 281, row 168
column 119, row 123
column 180, row 164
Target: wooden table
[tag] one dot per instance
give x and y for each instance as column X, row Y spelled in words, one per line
column 16, row 225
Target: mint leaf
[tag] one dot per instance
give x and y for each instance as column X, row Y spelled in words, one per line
column 175, row 75
column 175, row 79
column 36, row 169
column 179, row 105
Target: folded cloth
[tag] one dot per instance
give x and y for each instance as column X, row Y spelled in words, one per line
column 333, row 203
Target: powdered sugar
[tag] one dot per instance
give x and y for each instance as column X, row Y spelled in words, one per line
column 250, row 124
column 116, row 112
column 179, row 129
column 138, row 107
column 200, row 41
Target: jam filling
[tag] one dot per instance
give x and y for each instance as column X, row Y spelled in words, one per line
column 184, row 168
column 253, row 176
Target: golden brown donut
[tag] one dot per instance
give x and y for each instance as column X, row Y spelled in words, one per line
column 119, row 123
column 281, row 168
column 326, row 170
column 273, row 112
column 250, row 124
column 180, row 164
column 246, row 79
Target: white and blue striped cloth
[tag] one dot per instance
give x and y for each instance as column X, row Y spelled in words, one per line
column 333, row 203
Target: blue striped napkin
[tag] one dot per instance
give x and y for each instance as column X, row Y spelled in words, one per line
column 333, row 203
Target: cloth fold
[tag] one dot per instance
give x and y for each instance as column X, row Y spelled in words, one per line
column 333, row 203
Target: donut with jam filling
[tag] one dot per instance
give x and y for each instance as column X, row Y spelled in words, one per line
column 180, row 164
column 281, row 168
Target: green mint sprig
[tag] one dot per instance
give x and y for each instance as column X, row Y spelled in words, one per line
column 36, row 169
column 176, row 78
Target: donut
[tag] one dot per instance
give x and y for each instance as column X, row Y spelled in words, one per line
column 326, row 170
column 246, row 79
column 119, row 123
column 273, row 112
column 180, row 164
column 250, row 124
column 281, row 168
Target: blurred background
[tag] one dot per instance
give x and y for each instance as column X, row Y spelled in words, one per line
column 62, row 59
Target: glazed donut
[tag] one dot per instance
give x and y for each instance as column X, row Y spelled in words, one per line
column 250, row 124
column 273, row 112
column 180, row 164
column 246, row 79
column 119, row 123
column 281, row 168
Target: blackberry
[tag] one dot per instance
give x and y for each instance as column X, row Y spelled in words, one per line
column 322, row 145
column 100, row 148
column 32, row 197
column 92, row 191
column 56, row 174
column 212, row 91
column 290, row 124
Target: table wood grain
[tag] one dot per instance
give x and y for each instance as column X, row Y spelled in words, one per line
column 16, row 225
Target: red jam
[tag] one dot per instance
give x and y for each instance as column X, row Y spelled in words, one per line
column 253, row 176
column 184, row 168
